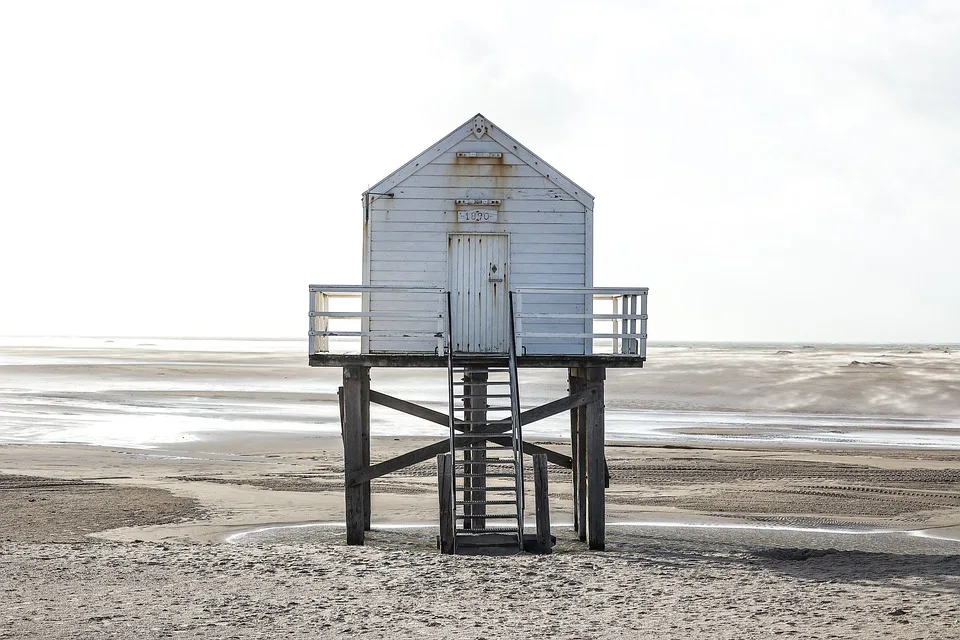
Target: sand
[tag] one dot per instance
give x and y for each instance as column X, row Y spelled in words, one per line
column 123, row 543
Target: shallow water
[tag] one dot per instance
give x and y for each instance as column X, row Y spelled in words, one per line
column 641, row 534
column 147, row 392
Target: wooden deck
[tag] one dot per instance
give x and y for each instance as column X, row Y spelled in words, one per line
column 426, row 360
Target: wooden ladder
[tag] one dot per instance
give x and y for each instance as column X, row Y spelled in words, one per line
column 487, row 455
column 486, row 446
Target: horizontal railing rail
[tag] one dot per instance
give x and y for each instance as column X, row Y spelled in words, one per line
column 620, row 329
column 628, row 305
column 321, row 315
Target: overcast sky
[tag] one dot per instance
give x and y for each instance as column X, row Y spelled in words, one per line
column 773, row 171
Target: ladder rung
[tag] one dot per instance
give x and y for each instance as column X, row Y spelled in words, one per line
column 472, row 443
column 460, row 383
column 488, row 489
column 487, row 461
column 478, row 449
column 484, row 395
column 486, row 475
column 492, row 447
column 487, row 516
column 490, row 502
column 488, row 530
column 496, row 408
column 492, row 434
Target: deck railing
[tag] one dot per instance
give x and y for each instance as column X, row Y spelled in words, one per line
column 322, row 315
column 624, row 335
column 622, row 339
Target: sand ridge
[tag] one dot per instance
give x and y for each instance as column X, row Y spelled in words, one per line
column 160, row 567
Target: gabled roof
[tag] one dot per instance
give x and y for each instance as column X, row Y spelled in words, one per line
column 479, row 126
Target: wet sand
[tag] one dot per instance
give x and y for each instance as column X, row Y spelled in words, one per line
column 756, row 492
column 794, row 548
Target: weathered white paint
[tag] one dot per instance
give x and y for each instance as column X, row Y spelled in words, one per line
column 479, row 216
column 478, row 284
column 548, row 220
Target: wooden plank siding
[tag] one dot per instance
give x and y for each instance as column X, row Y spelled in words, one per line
column 412, row 213
column 548, row 205
column 452, row 193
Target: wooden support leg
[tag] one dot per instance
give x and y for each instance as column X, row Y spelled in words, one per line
column 352, row 425
column 574, row 386
column 596, row 464
column 580, row 455
column 445, row 494
column 365, row 443
column 542, row 500
column 475, row 385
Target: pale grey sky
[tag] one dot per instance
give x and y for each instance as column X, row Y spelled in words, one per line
column 773, row 171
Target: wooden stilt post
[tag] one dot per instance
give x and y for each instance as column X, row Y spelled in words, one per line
column 574, row 386
column 475, row 385
column 445, row 494
column 365, row 442
column 596, row 463
column 352, row 425
column 580, row 455
column 542, row 500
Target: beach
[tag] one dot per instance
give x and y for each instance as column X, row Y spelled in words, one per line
column 195, row 490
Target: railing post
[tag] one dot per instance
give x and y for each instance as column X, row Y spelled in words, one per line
column 323, row 322
column 643, row 324
column 441, row 324
column 518, row 320
column 365, row 322
column 588, row 323
column 616, row 325
column 312, row 339
column 625, row 326
column 632, row 344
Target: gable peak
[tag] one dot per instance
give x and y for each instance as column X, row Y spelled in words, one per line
column 479, row 125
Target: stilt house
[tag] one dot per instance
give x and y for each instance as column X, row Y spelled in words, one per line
column 478, row 257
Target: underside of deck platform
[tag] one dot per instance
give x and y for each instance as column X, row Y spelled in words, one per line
column 610, row 361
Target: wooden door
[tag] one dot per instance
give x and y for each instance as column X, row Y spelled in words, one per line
column 478, row 291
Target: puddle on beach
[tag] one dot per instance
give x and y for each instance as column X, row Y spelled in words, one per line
column 624, row 533
column 146, row 393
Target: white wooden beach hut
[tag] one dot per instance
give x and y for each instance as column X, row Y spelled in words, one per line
column 478, row 257
column 479, row 214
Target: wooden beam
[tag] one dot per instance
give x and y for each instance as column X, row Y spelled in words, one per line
column 423, row 454
column 475, row 384
column 552, row 408
column 531, row 449
column 527, row 417
column 610, row 361
column 578, row 418
column 353, row 451
column 558, row 406
column 596, row 465
column 448, row 534
column 542, row 501
column 409, row 408
column 340, row 400
column 365, row 444
column 574, row 386
column 402, row 461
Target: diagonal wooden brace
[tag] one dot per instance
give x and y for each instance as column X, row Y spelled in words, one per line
column 527, row 417
column 432, row 450
column 400, row 462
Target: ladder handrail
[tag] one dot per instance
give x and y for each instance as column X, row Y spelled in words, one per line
column 450, row 419
column 515, row 419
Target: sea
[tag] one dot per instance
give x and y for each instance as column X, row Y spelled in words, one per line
column 158, row 392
